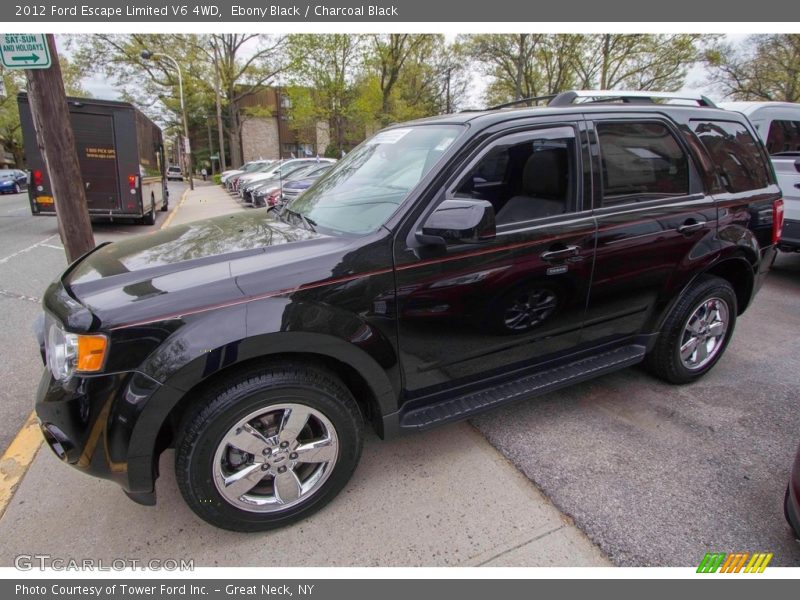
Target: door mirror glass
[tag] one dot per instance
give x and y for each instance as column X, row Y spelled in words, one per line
column 459, row 222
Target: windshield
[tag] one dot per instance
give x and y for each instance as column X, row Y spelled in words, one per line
column 363, row 189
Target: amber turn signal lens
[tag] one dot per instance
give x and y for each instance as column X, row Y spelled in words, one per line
column 91, row 352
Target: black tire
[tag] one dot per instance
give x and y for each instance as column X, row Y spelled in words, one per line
column 664, row 361
column 150, row 217
column 204, row 427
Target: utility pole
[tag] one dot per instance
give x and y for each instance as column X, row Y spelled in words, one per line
column 48, row 103
column 220, row 131
column 210, row 146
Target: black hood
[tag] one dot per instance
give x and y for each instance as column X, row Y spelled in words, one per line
column 193, row 264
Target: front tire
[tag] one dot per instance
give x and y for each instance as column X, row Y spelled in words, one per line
column 696, row 332
column 268, row 447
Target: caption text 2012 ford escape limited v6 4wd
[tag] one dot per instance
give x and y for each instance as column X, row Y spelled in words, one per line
column 442, row 268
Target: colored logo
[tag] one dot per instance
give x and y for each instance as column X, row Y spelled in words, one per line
column 744, row 562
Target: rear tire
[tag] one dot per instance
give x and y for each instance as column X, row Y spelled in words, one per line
column 696, row 332
column 239, row 454
column 150, row 217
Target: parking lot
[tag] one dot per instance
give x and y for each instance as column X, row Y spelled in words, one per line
column 622, row 470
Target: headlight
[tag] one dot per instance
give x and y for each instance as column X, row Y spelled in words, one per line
column 68, row 353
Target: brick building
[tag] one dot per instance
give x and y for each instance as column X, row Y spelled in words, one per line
column 267, row 130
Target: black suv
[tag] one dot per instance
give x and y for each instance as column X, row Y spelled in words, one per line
column 442, row 268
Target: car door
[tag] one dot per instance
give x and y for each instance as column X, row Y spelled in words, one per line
column 652, row 220
column 468, row 313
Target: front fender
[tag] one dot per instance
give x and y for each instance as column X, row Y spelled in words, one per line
column 204, row 347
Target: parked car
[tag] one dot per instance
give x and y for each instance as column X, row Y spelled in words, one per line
column 233, row 182
column 256, row 192
column 273, row 196
column 13, row 181
column 293, row 189
column 279, row 172
column 778, row 124
column 246, row 168
column 560, row 243
column 791, row 503
column 174, row 172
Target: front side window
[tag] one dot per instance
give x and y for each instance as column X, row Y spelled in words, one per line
column 641, row 161
column 363, row 189
column 783, row 138
column 525, row 176
column 736, row 154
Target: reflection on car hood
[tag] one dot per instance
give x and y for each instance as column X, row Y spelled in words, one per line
column 189, row 262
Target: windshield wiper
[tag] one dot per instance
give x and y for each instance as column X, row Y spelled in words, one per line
column 308, row 223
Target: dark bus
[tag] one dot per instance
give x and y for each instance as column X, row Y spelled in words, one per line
column 121, row 157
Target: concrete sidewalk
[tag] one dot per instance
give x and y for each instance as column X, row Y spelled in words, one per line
column 441, row 498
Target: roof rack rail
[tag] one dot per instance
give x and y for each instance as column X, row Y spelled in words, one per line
column 548, row 97
column 569, row 98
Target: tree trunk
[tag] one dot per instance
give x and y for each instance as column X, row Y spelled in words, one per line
column 520, row 66
column 48, row 104
column 235, row 137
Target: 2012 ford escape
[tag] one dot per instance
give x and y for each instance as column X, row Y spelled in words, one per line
column 444, row 267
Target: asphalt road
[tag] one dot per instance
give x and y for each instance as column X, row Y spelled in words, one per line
column 31, row 256
column 659, row 475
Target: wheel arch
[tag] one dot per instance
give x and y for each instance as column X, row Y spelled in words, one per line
column 736, row 270
column 157, row 424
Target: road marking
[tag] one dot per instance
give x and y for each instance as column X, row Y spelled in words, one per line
column 17, row 458
column 28, row 249
column 171, row 215
column 20, row 454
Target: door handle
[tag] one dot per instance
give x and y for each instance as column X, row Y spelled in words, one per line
column 560, row 254
column 691, row 226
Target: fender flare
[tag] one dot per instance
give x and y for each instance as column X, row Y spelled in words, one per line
column 142, row 446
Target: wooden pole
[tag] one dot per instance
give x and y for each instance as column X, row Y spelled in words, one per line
column 48, row 103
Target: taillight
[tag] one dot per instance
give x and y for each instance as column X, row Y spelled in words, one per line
column 133, row 183
column 272, row 199
column 777, row 221
column 38, row 178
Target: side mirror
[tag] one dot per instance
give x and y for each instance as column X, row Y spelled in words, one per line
column 459, row 221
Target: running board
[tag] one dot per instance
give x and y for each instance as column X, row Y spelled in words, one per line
column 540, row 383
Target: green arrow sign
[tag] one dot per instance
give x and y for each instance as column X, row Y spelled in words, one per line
column 25, row 51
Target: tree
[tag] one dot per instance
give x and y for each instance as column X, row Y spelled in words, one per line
column 245, row 62
column 528, row 65
column 764, row 67
column 391, row 52
column 323, row 70
column 637, row 62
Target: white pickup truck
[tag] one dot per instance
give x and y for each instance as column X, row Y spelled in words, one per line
column 778, row 124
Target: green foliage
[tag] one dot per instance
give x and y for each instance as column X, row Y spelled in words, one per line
column 217, row 178
column 527, row 65
column 765, row 67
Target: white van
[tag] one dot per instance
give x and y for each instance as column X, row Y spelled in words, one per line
column 778, row 124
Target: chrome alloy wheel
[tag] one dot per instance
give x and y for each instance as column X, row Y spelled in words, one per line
column 275, row 458
column 704, row 333
column 529, row 309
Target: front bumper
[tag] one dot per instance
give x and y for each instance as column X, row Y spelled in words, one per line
column 88, row 423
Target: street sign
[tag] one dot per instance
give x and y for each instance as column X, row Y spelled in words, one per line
column 214, row 157
column 187, row 148
column 24, row 51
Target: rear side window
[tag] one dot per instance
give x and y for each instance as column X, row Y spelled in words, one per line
column 641, row 161
column 738, row 159
column 783, row 138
